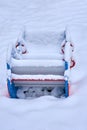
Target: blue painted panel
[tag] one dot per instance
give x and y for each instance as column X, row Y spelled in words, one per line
column 8, row 66
column 11, row 89
column 66, row 88
column 66, row 65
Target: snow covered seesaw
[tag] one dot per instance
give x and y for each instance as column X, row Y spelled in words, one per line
column 39, row 64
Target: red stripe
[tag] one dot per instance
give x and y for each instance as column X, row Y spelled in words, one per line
column 24, row 52
column 72, row 63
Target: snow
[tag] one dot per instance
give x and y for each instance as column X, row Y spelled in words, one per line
column 36, row 62
column 41, row 77
column 45, row 113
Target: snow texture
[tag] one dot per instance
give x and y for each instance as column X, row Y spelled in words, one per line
column 47, row 112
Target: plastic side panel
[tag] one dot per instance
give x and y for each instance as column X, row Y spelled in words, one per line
column 8, row 66
column 11, row 89
column 66, row 88
column 66, row 65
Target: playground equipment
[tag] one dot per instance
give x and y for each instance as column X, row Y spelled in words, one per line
column 36, row 70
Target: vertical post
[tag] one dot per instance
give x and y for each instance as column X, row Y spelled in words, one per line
column 11, row 88
column 66, row 80
column 67, row 67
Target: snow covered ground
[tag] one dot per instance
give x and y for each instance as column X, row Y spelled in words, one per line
column 45, row 113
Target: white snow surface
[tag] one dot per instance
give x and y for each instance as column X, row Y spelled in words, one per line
column 45, row 113
column 37, row 62
column 41, row 77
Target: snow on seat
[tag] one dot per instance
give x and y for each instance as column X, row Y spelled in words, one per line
column 37, row 62
column 45, row 55
column 38, row 66
column 38, row 80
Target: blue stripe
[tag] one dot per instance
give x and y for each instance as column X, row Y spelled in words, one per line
column 8, row 66
column 66, row 65
column 11, row 89
column 66, row 88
